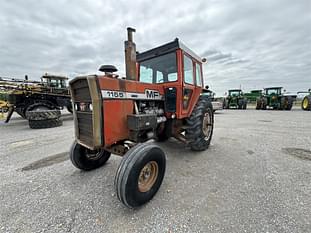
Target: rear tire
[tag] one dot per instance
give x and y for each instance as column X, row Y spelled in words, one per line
column 86, row 159
column 289, row 103
column 43, row 114
column 286, row 103
column 39, row 106
column 43, row 124
column 200, row 125
column 140, row 174
column 306, row 103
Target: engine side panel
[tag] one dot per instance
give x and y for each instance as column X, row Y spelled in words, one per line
column 115, row 114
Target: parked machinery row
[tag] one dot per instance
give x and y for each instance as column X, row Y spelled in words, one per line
column 268, row 98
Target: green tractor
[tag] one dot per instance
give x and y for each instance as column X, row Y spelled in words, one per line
column 235, row 99
column 274, row 98
column 306, row 101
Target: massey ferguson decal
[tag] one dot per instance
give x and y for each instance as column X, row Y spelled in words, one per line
column 149, row 94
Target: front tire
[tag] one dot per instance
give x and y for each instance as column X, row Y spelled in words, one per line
column 86, row 159
column 200, row 125
column 140, row 174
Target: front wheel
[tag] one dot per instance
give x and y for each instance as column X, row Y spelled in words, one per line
column 140, row 174
column 86, row 159
column 200, row 125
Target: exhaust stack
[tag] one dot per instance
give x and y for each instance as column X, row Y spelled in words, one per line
column 130, row 55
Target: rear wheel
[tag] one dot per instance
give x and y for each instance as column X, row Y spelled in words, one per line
column 289, row 103
column 264, row 102
column 306, row 103
column 200, row 125
column 43, row 114
column 140, row 174
column 286, row 103
column 39, row 107
column 43, row 124
column 86, row 159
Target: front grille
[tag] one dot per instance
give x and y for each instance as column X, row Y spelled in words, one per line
column 84, row 116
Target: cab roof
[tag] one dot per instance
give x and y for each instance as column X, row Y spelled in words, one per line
column 272, row 88
column 235, row 90
column 54, row 76
column 167, row 48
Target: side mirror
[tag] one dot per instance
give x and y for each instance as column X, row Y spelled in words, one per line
column 204, row 60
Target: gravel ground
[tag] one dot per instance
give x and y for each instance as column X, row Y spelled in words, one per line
column 255, row 177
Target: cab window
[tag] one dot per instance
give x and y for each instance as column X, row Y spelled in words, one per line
column 198, row 74
column 188, row 70
column 159, row 69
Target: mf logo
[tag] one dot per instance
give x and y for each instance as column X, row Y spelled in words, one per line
column 152, row 94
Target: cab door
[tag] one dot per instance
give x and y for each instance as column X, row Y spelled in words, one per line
column 192, row 85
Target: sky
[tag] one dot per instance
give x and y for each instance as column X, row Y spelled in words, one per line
column 248, row 44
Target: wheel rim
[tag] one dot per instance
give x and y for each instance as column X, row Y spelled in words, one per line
column 93, row 154
column 305, row 103
column 148, row 176
column 207, row 126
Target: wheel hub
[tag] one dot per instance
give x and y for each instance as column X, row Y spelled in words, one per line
column 207, row 126
column 93, row 154
column 147, row 177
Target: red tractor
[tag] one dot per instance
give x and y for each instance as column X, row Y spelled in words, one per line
column 160, row 97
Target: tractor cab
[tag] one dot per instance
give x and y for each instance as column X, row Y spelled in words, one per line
column 56, row 84
column 54, row 81
column 273, row 91
column 176, row 71
column 235, row 99
column 170, row 63
column 235, row 93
